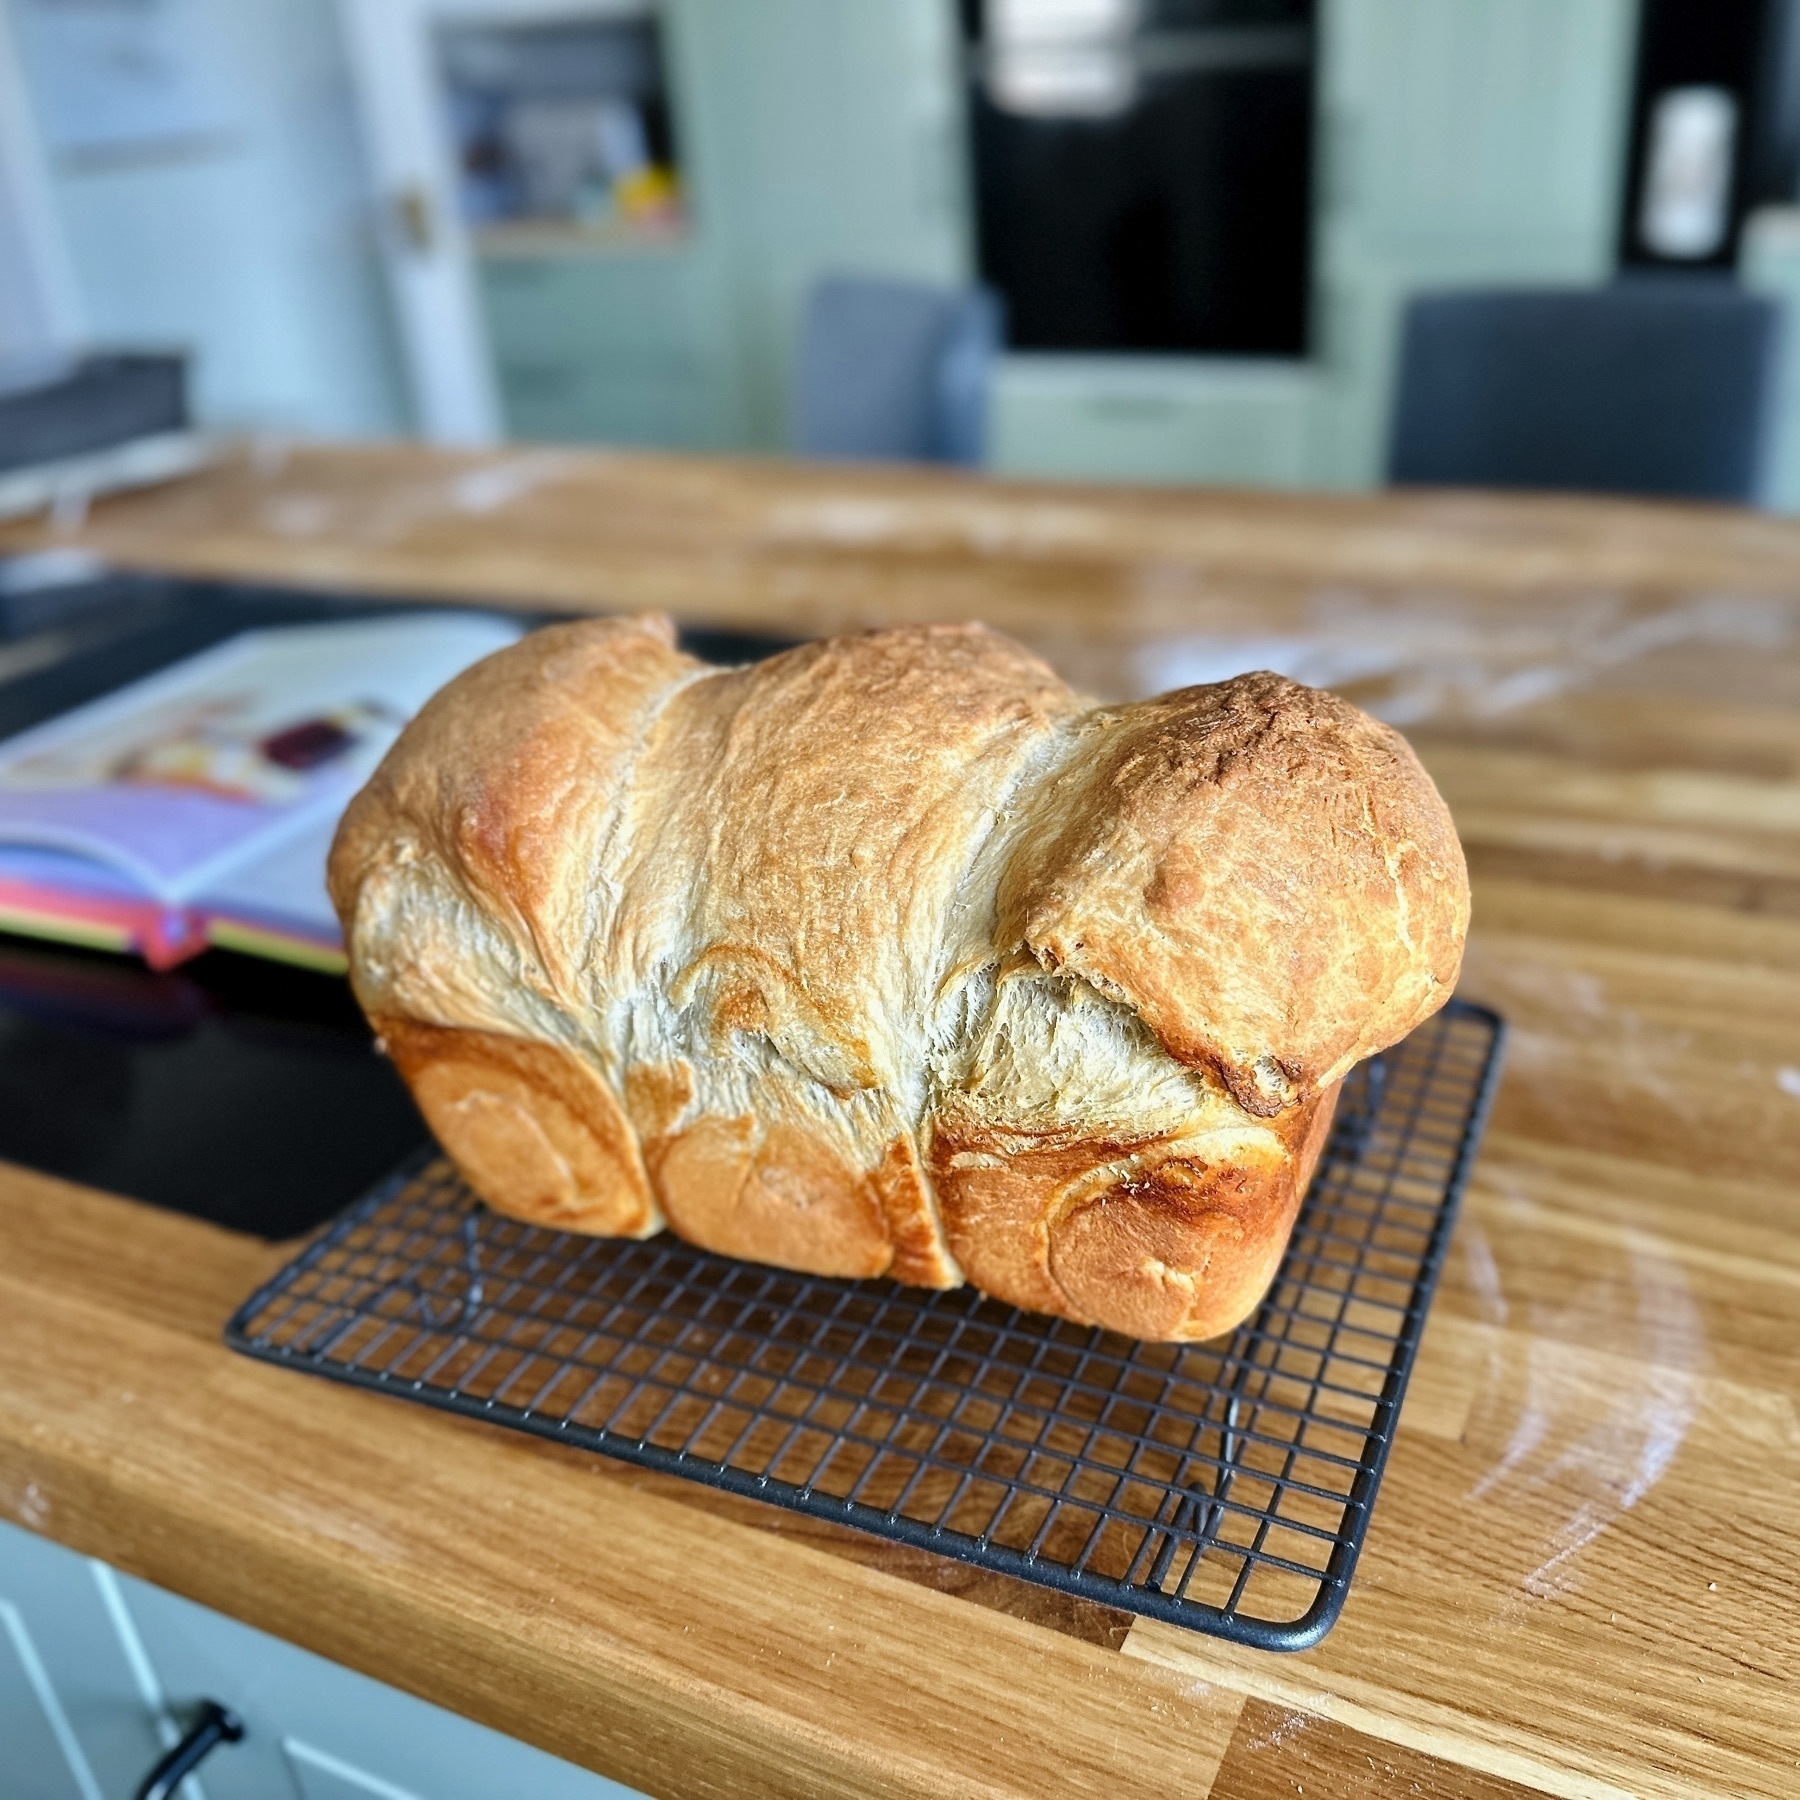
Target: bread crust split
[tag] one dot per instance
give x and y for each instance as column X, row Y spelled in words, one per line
column 891, row 956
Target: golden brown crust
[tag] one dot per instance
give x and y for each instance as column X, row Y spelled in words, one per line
column 532, row 1127
column 807, row 822
column 921, row 1253
column 994, row 1192
column 1265, row 873
column 1156, row 1239
column 886, row 956
column 1187, row 1248
column 785, row 1199
column 509, row 773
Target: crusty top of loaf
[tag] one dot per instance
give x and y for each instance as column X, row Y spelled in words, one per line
column 822, row 845
column 1264, row 872
column 511, row 772
column 801, row 833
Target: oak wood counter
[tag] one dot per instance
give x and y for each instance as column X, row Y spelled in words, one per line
column 1583, row 1576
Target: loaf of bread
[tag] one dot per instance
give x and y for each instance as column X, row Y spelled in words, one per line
column 892, row 956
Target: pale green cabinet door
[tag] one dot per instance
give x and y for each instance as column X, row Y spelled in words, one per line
column 73, row 1721
column 815, row 137
column 1479, row 122
column 829, row 138
column 317, row 1731
column 624, row 347
column 1769, row 263
column 94, row 1665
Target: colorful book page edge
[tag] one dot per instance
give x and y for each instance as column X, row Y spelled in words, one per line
column 163, row 936
column 277, row 946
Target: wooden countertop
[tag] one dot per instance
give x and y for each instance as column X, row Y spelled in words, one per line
column 1583, row 1577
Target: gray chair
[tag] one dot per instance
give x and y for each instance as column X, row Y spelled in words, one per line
column 1651, row 386
column 895, row 370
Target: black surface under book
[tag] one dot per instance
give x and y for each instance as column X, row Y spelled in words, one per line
column 233, row 1089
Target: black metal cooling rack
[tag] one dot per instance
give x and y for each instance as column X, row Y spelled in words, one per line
column 1225, row 1486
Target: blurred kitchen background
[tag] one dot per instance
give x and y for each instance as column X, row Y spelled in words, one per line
column 1146, row 240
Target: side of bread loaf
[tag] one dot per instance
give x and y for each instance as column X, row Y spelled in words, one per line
column 890, row 956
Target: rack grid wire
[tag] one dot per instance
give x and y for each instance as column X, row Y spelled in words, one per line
column 1225, row 1486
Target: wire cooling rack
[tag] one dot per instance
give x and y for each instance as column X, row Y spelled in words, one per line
column 1225, row 1486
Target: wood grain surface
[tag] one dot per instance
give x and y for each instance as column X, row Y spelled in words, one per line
column 1583, row 1576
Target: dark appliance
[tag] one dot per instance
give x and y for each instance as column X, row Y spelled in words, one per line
column 1143, row 171
column 1715, row 128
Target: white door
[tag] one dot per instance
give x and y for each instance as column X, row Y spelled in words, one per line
column 424, row 247
column 394, row 53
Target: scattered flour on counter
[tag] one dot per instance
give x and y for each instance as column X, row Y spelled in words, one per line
column 1611, row 1462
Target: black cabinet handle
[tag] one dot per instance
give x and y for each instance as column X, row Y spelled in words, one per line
column 215, row 1725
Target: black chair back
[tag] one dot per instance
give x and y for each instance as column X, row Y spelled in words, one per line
column 1651, row 386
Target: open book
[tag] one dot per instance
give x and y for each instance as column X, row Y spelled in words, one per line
column 196, row 807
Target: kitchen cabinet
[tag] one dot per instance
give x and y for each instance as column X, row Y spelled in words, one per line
column 814, row 138
column 1769, row 263
column 808, row 137
column 625, row 347
column 822, row 138
column 1240, row 422
column 74, row 1720
column 1465, row 142
column 97, row 1671
column 1461, row 142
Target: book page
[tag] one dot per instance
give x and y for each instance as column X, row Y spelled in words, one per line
column 180, row 780
column 282, row 888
